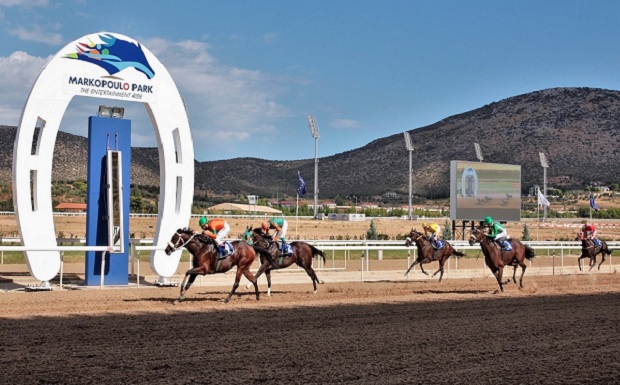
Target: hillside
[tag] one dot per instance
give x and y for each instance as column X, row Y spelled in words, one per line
column 575, row 127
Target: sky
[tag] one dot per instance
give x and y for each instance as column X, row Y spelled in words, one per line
column 251, row 72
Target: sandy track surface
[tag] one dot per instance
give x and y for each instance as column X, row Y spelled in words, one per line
column 557, row 330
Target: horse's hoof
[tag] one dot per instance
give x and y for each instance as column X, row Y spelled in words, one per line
column 177, row 301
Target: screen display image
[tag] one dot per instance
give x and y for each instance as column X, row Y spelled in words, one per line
column 479, row 189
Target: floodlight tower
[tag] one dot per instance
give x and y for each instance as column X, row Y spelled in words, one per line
column 314, row 131
column 478, row 152
column 409, row 146
column 545, row 165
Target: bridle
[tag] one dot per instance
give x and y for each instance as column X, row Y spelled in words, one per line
column 175, row 246
column 410, row 241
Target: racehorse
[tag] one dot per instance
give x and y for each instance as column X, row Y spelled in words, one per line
column 496, row 259
column 427, row 254
column 302, row 255
column 588, row 250
column 206, row 259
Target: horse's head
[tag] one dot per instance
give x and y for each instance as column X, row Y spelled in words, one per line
column 247, row 235
column 581, row 236
column 475, row 236
column 259, row 238
column 181, row 238
column 412, row 237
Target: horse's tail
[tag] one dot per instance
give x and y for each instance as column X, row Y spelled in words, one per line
column 316, row 251
column 265, row 253
column 529, row 252
column 457, row 254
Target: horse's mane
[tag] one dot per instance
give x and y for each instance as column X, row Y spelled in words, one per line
column 199, row 236
column 259, row 231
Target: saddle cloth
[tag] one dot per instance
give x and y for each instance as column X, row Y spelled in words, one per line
column 226, row 249
column 288, row 249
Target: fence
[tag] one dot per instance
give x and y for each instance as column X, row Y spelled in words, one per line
column 556, row 253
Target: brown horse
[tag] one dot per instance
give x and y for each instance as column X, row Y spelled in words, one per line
column 206, row 259
column 302, row 255
column 496, row 259
column 588, row 250
column 427, row 254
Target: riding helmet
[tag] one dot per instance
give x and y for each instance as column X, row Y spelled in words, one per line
column 202, row 221
column 488, row 220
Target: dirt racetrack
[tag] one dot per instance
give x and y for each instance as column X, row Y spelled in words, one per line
column 557, row 330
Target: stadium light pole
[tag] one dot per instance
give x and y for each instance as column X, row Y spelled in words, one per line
column 314, row 131
column 478, row 152
column 545, row 165
column 409, row 146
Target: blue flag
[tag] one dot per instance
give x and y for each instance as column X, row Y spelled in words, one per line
column 593, row 203
column 301, row 185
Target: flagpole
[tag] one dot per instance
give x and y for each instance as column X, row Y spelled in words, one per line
column 296, row 215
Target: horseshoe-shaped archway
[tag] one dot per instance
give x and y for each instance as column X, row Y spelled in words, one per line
column 112, row 66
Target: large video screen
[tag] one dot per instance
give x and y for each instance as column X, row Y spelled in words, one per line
column 479, row 189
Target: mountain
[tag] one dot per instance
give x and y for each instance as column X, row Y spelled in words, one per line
column 577, row 129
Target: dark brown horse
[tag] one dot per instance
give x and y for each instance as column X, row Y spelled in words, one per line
column 206, row 259
column 427, row 254
column 496, row 259
column 589, row 250
column 302, row 255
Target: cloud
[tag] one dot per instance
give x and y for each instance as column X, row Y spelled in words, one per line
column 227, row 105
column 24, row 3
column 270, row 37
column 38, row 34
column 18, row 73
column 224, row 102
column 344, row 124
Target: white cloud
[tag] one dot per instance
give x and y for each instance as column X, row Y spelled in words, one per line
column 18, row 73
column 225, row 103
column 38, row 34
column 270, row 37
column 344, row 123
column 24, row 3
column 227, row 106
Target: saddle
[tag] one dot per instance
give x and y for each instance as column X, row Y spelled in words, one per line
column 438, row 244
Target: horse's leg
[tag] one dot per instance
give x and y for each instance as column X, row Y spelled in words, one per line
column 186, row 284
column 523, row 267
column 602, row 260
column 422, row 268
column 252, row 278
column 412, row 266
column 268, row 275
column 264, row 266
column 312, row 274
column 498, row 276
column 240, row 272
column 442, row 260
column 592, row 262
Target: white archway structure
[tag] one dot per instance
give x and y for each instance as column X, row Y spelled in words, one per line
column 101, row 65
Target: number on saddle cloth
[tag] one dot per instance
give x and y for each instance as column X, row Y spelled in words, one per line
column 225, row 249
column 597, row 242
column 505, row 245
column 287, row 249
column 438, row 244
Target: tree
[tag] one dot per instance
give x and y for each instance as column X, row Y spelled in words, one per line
column 447, row 231
column 371, row 233
column 526, row 232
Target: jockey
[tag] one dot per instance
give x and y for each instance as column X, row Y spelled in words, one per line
column 280, row 225
column 216, row 229
column 589, row 231
column 497, row 232
column 430, row 231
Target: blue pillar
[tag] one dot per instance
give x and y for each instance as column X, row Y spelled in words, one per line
column 106, row 134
